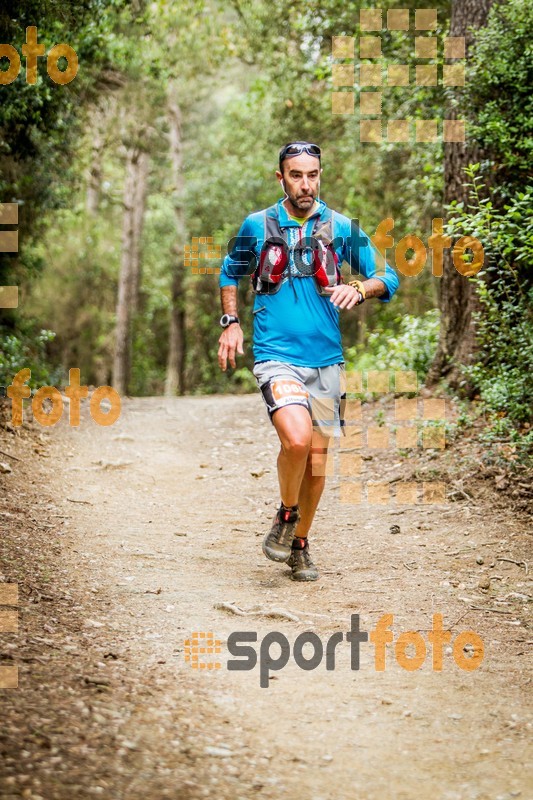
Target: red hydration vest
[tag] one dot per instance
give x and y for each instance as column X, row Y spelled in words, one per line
column 274, row 257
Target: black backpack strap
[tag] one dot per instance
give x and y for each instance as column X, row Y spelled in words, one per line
column 273, row 234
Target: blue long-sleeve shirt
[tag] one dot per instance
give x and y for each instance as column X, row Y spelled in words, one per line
column 297, row 325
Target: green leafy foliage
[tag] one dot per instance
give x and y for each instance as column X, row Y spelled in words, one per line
column 39, row 127
column 25, row 352
column 499, row 89
column 503, row 364
column 409, row 346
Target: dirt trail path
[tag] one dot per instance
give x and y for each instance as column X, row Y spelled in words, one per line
column 163, row 521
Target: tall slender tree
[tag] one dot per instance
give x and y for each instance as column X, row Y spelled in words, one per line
column 174, row 383
column 457, row 295
column 129, row 279
column 192, row 37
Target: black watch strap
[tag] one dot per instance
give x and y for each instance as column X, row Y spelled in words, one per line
column 228, row 319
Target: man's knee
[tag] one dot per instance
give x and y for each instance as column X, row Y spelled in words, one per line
column 296, row 444
column 293, row 426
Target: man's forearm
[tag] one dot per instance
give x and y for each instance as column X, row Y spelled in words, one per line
column 374, row 287
column 228, row 300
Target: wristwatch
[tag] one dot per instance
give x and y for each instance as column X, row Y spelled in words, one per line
column 360, row 288
column 228, row 319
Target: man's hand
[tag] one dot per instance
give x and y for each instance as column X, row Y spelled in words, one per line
column 344, row 296
column 231, row 340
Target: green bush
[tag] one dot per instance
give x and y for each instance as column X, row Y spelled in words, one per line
column 26, row 350
column 499, row 90
column 411, row 346
column 503, row 363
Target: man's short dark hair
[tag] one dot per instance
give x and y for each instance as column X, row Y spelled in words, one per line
column 283, row 157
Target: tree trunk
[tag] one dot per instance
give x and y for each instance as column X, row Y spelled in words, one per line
column 139, row 210
column 457, row 295
column 102, row 137
column 95, row 172
column 128, row 287
column 175, row 377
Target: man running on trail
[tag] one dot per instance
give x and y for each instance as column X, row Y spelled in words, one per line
column 295, row 249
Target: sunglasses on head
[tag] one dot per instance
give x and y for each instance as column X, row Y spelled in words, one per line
column 297, row 149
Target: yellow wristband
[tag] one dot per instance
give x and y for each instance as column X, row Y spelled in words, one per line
column 360, row 288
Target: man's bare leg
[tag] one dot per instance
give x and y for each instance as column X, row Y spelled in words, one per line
column 294, row 427
column 312, row 485
column 303, row 451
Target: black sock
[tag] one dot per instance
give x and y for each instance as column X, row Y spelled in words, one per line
column 289, row 508
column 288, row 513
column 298, row 543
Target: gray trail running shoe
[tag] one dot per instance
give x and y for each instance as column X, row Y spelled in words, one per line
column 302, row 565
column 277, row 543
